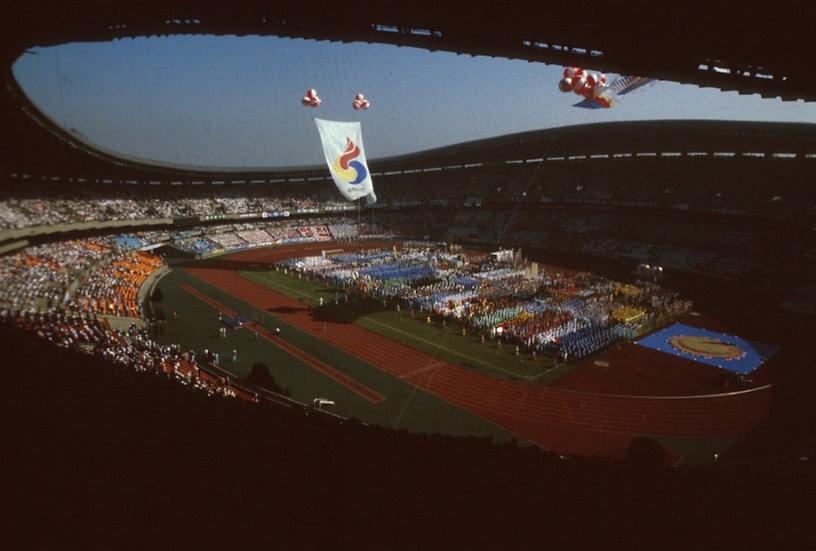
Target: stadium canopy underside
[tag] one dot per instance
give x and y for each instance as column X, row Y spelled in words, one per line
column 763, row 50
column 752, row 51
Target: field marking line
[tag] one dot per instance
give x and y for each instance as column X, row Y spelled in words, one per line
column 422, row 370
column 207, row 299
column 437, row 345
column 313, row 333
column 550, row 370
column 281, row 285
column 315, row 363
column 292, row 350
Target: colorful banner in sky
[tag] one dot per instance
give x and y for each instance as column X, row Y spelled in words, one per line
column 345, row 155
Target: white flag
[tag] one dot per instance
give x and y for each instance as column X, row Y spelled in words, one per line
column 345, row 155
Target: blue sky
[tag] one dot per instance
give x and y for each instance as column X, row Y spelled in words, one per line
column 230, row 101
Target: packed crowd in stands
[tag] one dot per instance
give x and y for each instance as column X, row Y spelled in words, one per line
column 570, row 314
column 766, row 189
column 113, row 288
column 40, row 277
column 88, row 203
column 103, row 275
column 229, row 237
column 557, row 208
column 704, row 244
column 65, row 291
column 132, row 348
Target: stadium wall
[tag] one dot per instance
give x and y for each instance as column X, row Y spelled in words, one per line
column 64, row 229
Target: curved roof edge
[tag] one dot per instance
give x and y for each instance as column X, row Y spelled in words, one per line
column 617, row 136
column 583, row 139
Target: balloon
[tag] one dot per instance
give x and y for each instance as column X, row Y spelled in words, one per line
column 598, row 87
column 360, row 102
column 311, row 99
column 565, row 85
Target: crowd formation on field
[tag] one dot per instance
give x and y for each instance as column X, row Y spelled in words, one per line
column 569, row 314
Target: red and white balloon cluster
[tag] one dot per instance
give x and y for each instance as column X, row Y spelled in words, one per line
column 360, row 102
column 311, row 99
column 582, row 82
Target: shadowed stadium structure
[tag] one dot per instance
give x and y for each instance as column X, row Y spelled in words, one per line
column 753, row 51
column 135, row 264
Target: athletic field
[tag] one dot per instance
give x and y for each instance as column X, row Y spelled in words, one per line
column 387, row 368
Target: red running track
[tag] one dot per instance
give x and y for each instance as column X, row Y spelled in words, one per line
column 558, row 420
column 295, row 352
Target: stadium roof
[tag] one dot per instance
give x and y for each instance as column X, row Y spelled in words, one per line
column 633, row 137
column 667, row 42
column 767, row 50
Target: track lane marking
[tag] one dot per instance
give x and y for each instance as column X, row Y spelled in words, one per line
column 337, row 376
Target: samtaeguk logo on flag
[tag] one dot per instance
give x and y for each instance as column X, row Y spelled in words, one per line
column 345, row 156
column 350, row 170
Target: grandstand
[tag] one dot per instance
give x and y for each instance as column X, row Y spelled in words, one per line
column 736, row 211
column 101, row 278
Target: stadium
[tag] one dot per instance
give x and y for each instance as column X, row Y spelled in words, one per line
column 631, row 295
